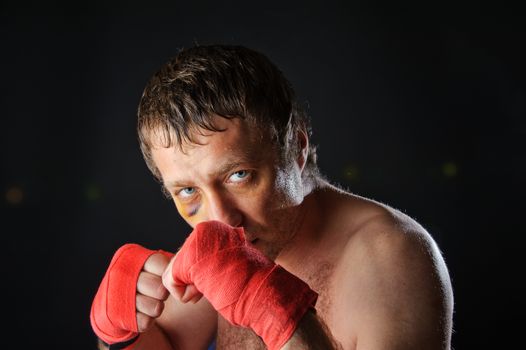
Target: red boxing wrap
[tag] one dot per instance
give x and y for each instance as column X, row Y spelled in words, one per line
column 242, row 284
column 113, row 313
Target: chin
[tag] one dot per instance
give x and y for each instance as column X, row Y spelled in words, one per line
column 254, row 243
column 268, row 249
column 258, row 238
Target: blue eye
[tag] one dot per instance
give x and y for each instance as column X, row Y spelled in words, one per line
column 239, row 176
column 187, row 191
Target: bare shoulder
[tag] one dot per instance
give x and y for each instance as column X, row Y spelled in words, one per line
column 393, row 281
column 383, row 233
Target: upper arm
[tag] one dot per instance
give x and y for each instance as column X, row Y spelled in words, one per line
column 395, row 290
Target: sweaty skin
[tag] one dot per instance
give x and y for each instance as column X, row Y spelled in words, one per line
column 381, row 279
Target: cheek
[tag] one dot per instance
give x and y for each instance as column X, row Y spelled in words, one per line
column 288, row 187
column 265, row 205
column 277, row 191
column 190, row 212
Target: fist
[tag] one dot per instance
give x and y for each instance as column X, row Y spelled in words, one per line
column 185, row 293
column 214, row 259
column 151, row 293
column 130, row 295
column 241, row 283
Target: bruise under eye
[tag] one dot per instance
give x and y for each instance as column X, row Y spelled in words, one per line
column 186, row 210
column 193, row 210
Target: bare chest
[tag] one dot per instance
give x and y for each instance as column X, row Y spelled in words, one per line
column 319, row 279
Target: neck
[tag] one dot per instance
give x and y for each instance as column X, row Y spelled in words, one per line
column 307, row 223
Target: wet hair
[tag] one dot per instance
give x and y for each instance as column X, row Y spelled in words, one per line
column 203, row 82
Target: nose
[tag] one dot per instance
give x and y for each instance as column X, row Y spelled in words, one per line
column 224, row 209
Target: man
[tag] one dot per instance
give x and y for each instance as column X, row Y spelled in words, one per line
column 278, row 256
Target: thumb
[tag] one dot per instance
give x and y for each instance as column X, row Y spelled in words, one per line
column 191, row 294
column 184, row 292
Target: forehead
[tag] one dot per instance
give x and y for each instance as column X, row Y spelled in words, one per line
column 239, row 142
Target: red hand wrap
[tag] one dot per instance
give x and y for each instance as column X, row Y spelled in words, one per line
column 243, row 285
column 113, row 313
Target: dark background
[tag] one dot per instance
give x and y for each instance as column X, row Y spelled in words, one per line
column 420, row 108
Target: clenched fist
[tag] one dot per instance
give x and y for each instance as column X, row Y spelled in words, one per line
column 131, row 294
column 241, row 283
column 151, row 293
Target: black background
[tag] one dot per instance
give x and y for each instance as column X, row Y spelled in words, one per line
column 420, row 108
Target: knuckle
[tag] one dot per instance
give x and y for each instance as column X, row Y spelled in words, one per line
column 144, row 322
column 162, row 292
column 149, row 306
column 150, row 285
column 143, row 276
column 140, row 303
column 158, row 309
column 156, row 263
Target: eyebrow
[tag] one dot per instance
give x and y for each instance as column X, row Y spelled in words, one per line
column 223, row 169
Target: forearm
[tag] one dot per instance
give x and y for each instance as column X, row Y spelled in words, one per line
column 312, row 334
column 153, row 339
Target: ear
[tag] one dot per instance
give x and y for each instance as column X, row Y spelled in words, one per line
column 302, row 142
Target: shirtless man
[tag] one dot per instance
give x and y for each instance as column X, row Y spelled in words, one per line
column 278, row 257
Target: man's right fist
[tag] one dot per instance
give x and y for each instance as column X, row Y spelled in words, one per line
column 243, row 285
column 131, row 294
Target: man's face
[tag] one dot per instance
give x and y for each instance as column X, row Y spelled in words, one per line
column 236, row 177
